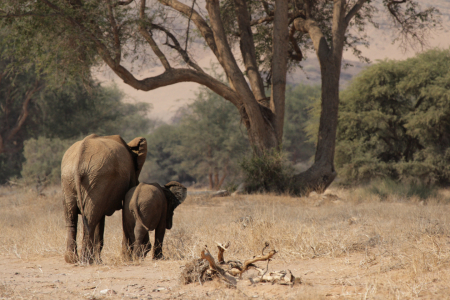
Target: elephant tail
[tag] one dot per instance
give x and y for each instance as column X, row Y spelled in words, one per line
column 80, row 200
column 135, row 209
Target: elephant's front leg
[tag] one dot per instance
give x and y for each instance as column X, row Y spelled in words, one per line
column 159, row 239
column 71, row 216
column 98, row 240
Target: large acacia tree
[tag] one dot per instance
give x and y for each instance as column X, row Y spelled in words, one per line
column 273, row 36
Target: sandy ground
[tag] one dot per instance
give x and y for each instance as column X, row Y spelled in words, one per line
column 349, row 277
column 52, row 278
column 340, row 248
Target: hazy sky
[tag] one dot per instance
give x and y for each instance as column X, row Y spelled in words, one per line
column 168, row 99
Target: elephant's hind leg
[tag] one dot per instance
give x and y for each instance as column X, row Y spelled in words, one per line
column 159, row 239
column 141, row 242
column 98, row 240
column 87, row 250
column 71, row 216
column 147, row 246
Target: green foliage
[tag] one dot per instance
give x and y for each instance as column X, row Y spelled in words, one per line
column 211, row 138
column 394, row 122
column 203, row 146
column 299, row 121
column 77, row 110
column 43, row 159
column 163, row 164
column 269, row 172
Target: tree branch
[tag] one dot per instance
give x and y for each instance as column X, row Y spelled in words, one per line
column 354, row 10
column 262, row 20
column 201, row 24
column 226, row 57
column 297, row 53
column 112, row 21
column 248, row 51
column 172, row 76
column 24, row 114
column 123, row 2
column 148, row 37
column 338, row 29
column 279, row 64
column 310, row 26
column 176, row 46
column 189, row 23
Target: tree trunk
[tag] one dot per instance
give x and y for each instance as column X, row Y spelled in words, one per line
column 322, row 173
column 210, row 177
column 261, row 130
column 216, row 179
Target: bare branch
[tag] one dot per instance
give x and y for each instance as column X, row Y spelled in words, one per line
column 123, row 2
column 414, row 25
column 226, row 57
column 112, row 21
column 201, row 24
column 267, row 9
column 222, row 248
column 338, row 28
column 189, row 23
column 297, row 53
column 279, row 64
column 354, row 10
column 24, row 114
column 148, row 37
column 248, row 262
column 262, row 20
column 248, row 51
column 310, row 26
column 176, row 46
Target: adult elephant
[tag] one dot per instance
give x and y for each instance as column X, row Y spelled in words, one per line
column 96, row 173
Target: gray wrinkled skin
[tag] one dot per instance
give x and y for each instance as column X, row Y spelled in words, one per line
column 149, row 207
column 96, row 173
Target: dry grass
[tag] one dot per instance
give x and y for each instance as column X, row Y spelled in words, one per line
column 403, row 244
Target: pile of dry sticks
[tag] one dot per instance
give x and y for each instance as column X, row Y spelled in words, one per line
column 205, row 268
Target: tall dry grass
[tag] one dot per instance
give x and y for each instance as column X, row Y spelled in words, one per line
column 397, row 234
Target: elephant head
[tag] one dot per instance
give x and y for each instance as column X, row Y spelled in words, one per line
column 138, row 148
column 175, row 193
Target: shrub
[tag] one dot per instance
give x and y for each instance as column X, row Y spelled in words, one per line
column 394, row 122
column 43, row 159
column 269, row 172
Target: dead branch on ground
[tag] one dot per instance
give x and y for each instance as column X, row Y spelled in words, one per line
column 230, row 272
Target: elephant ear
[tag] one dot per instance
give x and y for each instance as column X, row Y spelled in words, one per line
column 175, row 194
column 138, row 147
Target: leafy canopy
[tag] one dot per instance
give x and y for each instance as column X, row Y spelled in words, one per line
column 394, row 121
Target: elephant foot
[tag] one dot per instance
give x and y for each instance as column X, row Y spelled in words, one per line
column 86, row 259
column 158, row 256
column 71, row 257
column 98, row 261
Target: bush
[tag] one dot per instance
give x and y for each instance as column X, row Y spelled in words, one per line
column 394, row 122
column 269, row 172
column 43, row 160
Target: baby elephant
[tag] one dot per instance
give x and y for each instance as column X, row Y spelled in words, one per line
column 149, row 207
